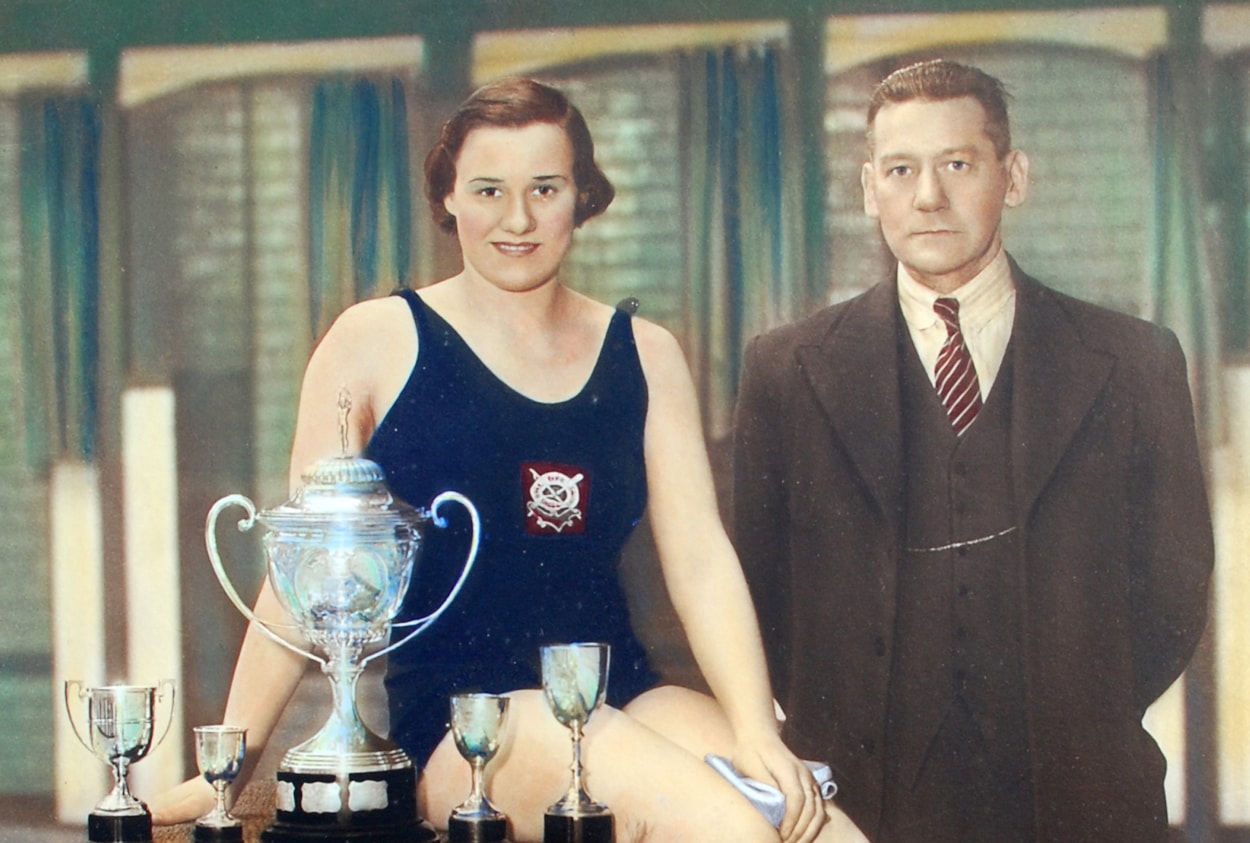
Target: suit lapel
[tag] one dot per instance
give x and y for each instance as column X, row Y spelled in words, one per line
column 1057, row 378
column 853, row 371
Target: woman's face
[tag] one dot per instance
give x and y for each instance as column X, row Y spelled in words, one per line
column 514, row 200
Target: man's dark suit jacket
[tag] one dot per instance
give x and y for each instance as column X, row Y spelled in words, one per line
column 1115, row 536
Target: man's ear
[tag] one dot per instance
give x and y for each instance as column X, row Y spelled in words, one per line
column 1018, row 178
column 870, row 190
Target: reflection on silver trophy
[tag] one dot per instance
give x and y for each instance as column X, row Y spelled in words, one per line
column 341, row 554
column 575, row 683
column 219, row 752
column 121, row 720
column 476, row 725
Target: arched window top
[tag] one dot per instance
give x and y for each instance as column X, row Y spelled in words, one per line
column 857, row 39
column 149, row 73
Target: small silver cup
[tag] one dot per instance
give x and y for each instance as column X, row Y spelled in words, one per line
column 575, row 683
column 219, row 752
column 477, row 722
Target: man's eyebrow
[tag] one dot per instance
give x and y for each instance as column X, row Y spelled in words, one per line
column 963, row 151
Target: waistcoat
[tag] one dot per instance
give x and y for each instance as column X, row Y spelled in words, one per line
column 957, row 627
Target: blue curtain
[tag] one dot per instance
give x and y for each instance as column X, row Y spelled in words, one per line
column 741, row 168
column 359, row 196
column 1185, row 298
column 60, row 270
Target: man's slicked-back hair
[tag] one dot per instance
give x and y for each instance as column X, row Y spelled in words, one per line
column 940, row 80
column 513, row 104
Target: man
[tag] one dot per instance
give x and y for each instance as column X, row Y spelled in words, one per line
column 972, row 511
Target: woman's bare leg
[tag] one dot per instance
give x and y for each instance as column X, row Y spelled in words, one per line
column 692, row 720
column 696, row 722
column 658, row 790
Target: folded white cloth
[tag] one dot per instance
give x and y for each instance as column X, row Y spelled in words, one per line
column 766, row 798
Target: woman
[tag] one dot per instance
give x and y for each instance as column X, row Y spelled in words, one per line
column 495, row 382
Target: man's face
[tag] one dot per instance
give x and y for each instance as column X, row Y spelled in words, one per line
column 938, row 188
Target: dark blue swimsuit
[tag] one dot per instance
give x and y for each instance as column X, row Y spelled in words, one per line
column 559, row 488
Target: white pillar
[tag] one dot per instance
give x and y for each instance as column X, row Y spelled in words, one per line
column 1165, row 720
column 1230, row 466
column 154, row 606
column 77, row 585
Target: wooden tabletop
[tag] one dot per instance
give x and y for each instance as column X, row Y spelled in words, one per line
column 254, row 807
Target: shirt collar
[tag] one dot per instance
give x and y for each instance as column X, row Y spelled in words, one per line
column 980, row 299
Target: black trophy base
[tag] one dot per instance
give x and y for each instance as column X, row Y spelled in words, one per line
column 366, row 807
column 218, row 834
column 586, row 828
column 477, row 831
column 108, row 828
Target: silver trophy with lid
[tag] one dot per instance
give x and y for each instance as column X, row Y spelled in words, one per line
column 341, row 555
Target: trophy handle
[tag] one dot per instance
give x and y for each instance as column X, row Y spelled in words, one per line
column 419, row 624
column 210, row 541
column 169, row 721
column 69, row 709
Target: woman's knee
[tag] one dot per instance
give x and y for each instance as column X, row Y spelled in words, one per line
column 692, row 720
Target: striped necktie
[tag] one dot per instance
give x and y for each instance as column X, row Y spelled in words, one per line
column 956, row 379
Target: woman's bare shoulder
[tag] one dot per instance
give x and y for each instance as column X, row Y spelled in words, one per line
column 367, row 343
column 657, row 347
column 367, row 327
column 369, row 352
column 386, row 313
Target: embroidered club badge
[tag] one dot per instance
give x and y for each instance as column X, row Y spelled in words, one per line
column 555, row 499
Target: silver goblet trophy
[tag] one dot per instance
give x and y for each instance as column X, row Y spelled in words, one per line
column 575, row 683
column 476, row 725
column 341, row 555
column 121, row 720
column 219, row 752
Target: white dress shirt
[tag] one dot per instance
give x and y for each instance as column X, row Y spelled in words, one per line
column 987, row 307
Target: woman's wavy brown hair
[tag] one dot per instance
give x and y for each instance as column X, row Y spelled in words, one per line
column 514, row 103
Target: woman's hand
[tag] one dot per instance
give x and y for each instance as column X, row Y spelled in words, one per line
column 765, row 758
column 183, row 803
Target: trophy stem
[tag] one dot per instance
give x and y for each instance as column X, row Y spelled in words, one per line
column 344, row 742
column 219, row 816
column 577, row 794
column 344, row 671
column 120, row 768
column 577, row 800
column 477, row 795
column 120, row 800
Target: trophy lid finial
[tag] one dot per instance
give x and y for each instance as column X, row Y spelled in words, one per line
column 345, row 407
column 344, row 488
